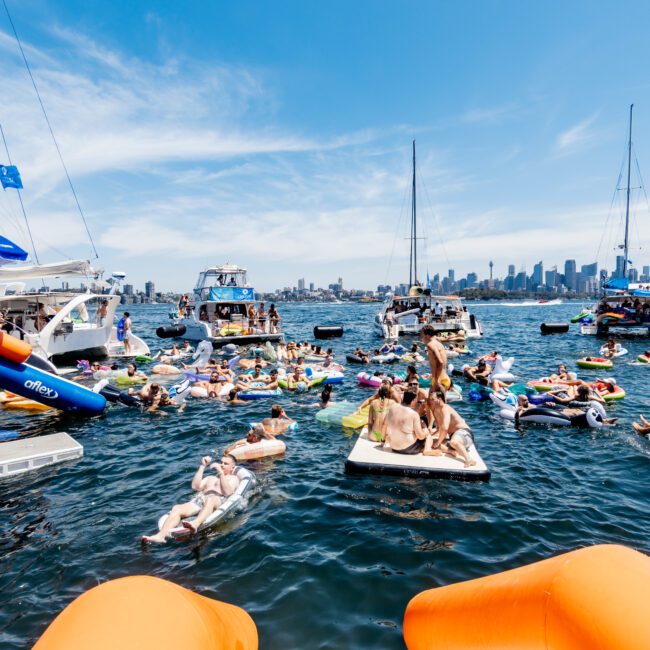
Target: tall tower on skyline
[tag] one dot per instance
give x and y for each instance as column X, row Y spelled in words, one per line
column 491, row 267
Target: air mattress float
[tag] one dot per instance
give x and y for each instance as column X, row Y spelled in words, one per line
column 236, row 502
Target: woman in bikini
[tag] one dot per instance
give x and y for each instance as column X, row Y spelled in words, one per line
column 378, row 409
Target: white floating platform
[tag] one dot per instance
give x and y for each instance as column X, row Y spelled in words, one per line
column 20, row 456
column 370, row 457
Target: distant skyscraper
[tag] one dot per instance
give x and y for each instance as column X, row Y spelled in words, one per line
column 570, row 275
column 620, row 261
column 538, row 274
column 150, row 291
column 472, row 280
column 340, row 283
column 452, row 276
column 589, row 270
column 127, row 289
column 311, row 286
column 301, row 284
column 491, row 267
column 550, row 278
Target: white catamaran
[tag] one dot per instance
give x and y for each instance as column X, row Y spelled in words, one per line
column 405, row 315
column 624, row 306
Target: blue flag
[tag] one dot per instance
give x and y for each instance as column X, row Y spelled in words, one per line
column 10, row 177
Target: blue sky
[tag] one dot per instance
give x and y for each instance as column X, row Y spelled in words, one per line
column 277, row 135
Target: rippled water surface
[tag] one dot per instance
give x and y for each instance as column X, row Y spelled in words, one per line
column 321, row 559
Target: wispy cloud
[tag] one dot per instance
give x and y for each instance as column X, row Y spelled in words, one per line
column 576, row 138
column 491, row 114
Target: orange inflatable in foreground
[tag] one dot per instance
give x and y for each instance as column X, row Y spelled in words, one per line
column 144, row 612
column 591, row 599
column 14, row 349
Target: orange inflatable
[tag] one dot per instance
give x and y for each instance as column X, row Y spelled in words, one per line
column 593, row 598
column 146, row 612
column 14, row 349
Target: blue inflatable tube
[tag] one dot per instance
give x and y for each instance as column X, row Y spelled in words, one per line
column 44, row 388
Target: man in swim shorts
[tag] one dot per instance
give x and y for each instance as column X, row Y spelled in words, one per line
column 451, row 429
column 437, row 359
column 211, row 490
column 402, row 429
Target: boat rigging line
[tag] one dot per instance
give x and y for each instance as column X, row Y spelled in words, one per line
column 20, row 198
column 49, row 126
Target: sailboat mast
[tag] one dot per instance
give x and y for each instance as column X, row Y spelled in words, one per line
column 414, row 231
column 627, row 205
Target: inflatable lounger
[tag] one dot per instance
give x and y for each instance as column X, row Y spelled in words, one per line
column 335, row 412
column 233, row 504
column 370, row 457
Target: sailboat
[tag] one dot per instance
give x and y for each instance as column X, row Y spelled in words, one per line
column 405, row 315
column 624, row 305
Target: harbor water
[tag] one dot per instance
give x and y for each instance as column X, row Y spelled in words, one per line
column 321, row 559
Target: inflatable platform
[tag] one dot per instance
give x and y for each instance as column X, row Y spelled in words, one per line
column 370, row 457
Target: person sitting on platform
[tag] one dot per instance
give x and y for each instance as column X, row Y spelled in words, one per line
column 453, row 432
column 402, row 430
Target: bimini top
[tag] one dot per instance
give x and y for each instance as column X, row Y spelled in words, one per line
column 223, row 283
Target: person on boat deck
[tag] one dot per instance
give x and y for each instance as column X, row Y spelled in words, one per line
column 220, row 280
column 453, row 432
column 437, row 359
column 274, row 318
column 642, row 427
column 379, row 407
column 182, row 303
column 232, row 282
column 128, row 333
column 279, row 421
column 203, row 314
column 252, row 315
column 262, row 316
column 402, row 430
column 102, row 312
column 41, row 318
column 254, row 435
column 479, row 373
column 437, row 311
column 211, row 490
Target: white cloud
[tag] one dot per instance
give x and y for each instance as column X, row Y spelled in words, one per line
column 575, row 138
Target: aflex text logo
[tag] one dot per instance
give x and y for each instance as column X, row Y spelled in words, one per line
column 42, row 390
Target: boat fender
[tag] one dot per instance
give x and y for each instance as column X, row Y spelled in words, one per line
column 170, row 331
column 554, row 328
column 328, row 331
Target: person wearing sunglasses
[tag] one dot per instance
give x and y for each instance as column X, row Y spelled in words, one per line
column 211, row 490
